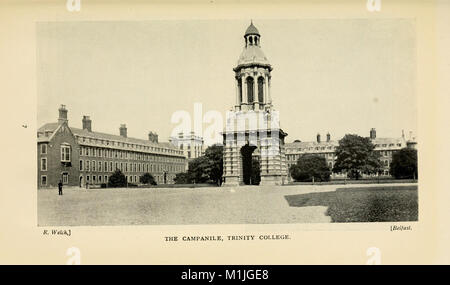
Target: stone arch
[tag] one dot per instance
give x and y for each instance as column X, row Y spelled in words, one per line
column 251, row 170
column 250, row 88
column 261, row 89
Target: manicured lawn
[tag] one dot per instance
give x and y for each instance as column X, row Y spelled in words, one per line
column 364, row 204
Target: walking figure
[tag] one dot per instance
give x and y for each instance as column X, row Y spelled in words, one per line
column 60, row 188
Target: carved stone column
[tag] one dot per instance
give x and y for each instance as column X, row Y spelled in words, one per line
column 238, row 103
column 244, row 102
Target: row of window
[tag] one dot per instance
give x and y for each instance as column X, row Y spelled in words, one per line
column 87, row 165
column 297, row 156
column 311, row 148
column 130, row 178
column 64, row 179
column 65, row 155
column 100, row 179
column 330, row 164
column 386, row 145
column 112, row 153
column 65, row 151
column 334, row 147
column 188, row 146
column 193, row 154
column 251, row 96
column 332, row 155
column 126, row 145
column 387, row 152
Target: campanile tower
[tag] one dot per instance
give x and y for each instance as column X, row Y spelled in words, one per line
column 252, row 131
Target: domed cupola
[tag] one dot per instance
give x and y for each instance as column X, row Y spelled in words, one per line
column 252, row 35
column 252, row 74
column 252, row 53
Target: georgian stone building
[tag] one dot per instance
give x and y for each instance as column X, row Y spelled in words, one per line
column 386, row 147
column 252, row 129
column 79, row 156
column 191, row 144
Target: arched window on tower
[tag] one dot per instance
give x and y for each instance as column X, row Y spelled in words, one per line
column 240, row 90
column 261, row 90
column 250, row 89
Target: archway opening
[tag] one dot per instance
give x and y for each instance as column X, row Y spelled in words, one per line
column 250, row 97
column 261, row 90
column 250, row 166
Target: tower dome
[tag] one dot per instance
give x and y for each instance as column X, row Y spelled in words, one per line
column 252, row 30
column 252, row 75
column 252, row 53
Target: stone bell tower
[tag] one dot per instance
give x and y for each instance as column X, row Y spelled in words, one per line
column 252, row 129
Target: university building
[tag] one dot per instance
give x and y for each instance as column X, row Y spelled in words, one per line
column 82, row 156
column 386, row 147
column 191, row 144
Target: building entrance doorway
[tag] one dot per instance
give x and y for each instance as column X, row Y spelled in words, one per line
column 247, row 163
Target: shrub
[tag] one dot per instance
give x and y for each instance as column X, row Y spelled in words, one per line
column 404, row 163
column 182, row 178
column 310, row 166
column 147, row 178
column 117, row 179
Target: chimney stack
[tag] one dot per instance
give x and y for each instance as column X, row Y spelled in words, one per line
column 123, row 130
column 318, row 138
column 87, row 123
column 373, row 133
column 153, row 137
column 328, row 137
column 62, row 114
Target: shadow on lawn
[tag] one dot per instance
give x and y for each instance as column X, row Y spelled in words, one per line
column 364, row 204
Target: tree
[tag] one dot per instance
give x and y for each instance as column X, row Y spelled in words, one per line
column 182, row 178
column 310, row 166
column 204, row 168
column 355, row 155
column 198, row 169
column 147, row 178
column 214, row 154
column 404, row 163
column 117, row 179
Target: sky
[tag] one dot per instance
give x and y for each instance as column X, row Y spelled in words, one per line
column 329, row 75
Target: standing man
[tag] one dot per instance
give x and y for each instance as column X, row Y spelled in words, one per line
column 60, row 188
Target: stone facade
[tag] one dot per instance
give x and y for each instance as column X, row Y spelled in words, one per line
column 191, row 145
column 386, row 147
column 79, row 156
column 252, row 128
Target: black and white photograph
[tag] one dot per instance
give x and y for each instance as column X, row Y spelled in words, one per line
column 227, row 122
column 242, row 134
